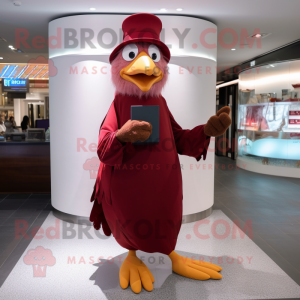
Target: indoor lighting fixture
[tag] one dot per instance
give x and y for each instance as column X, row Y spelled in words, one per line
column 233, row 49
column 179, row 9
column 1, row 57
column 259, row 35
column 10, row 46
column 272, row 66
column 163, row 9
column 227, row 83
column 92, row 8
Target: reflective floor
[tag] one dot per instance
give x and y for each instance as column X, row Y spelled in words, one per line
column 267, row 208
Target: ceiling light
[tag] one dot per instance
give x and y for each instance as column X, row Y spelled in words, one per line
column 233, row 49
column 272, row 66
column 10, row 46
column 179, row 9
column 1, row 57
column 260, row 35
column 163, row 9
column 92, row 8
column 227, row 83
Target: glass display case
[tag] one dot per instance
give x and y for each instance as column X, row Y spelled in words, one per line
column 269, row 115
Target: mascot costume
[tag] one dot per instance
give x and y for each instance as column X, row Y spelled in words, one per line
column 138, row 191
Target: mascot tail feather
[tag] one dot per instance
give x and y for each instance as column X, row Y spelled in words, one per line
column 97, row 217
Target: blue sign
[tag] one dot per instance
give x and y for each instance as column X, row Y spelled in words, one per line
column 14, row 85
column 15, row 82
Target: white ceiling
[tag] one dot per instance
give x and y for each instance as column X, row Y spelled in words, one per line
column 281, row 18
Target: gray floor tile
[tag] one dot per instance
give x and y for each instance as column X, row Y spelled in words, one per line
column 38, row 200
column 18, row 196
column 295, row 237
column 289, row 228
column 6, row 213
column 11, row 204
column 38, row 196
column 281, row 219
column 7, row 231
column 39, row 206
column 2, row 220
column 9, row 261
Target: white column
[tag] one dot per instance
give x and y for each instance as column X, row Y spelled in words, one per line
column 81, row 93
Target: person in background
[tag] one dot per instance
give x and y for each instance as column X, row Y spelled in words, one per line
column 25, row 123
column 12, row 120
column 2, row 126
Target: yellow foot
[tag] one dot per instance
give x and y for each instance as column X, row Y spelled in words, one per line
column 135, row 272
column 194, row 269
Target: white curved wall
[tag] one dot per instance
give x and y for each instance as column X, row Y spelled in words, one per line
column 79, row 102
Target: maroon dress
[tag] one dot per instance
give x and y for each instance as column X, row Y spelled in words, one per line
column 138, row 190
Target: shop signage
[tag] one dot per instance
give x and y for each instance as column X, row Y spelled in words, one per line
column 15, row 85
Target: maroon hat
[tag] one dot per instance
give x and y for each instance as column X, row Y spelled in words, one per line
column 142, row 28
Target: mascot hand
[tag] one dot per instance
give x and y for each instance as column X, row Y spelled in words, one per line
column 134, row 130
column 219, row 123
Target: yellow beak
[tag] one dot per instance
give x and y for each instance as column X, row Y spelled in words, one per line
column 142, row 71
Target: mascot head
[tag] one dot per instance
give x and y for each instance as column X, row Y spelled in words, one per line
column 139, row 63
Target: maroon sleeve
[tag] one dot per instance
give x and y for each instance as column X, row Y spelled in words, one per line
column 110, row 150
column 188, row 142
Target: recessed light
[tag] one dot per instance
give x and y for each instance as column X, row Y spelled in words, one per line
column 92, row 8
column 163, row 9
column 233, row 49
column 179, row 9
column 259, row 35
column 1, row 57
column 10, row 46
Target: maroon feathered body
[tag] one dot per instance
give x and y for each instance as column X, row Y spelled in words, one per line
column 138, row 191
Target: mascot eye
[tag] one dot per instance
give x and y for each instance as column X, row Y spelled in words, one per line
column 154, row 53
column 130, row 52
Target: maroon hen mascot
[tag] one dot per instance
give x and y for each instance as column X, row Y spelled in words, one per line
column 138, row 192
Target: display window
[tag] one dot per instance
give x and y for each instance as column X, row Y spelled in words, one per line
column 269, row 115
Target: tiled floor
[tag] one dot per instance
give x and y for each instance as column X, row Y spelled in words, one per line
column 273, row 206
column 271, row 203
column 258, row 278
column 31, row 210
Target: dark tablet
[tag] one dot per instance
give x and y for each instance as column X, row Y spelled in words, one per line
column 148, row 113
